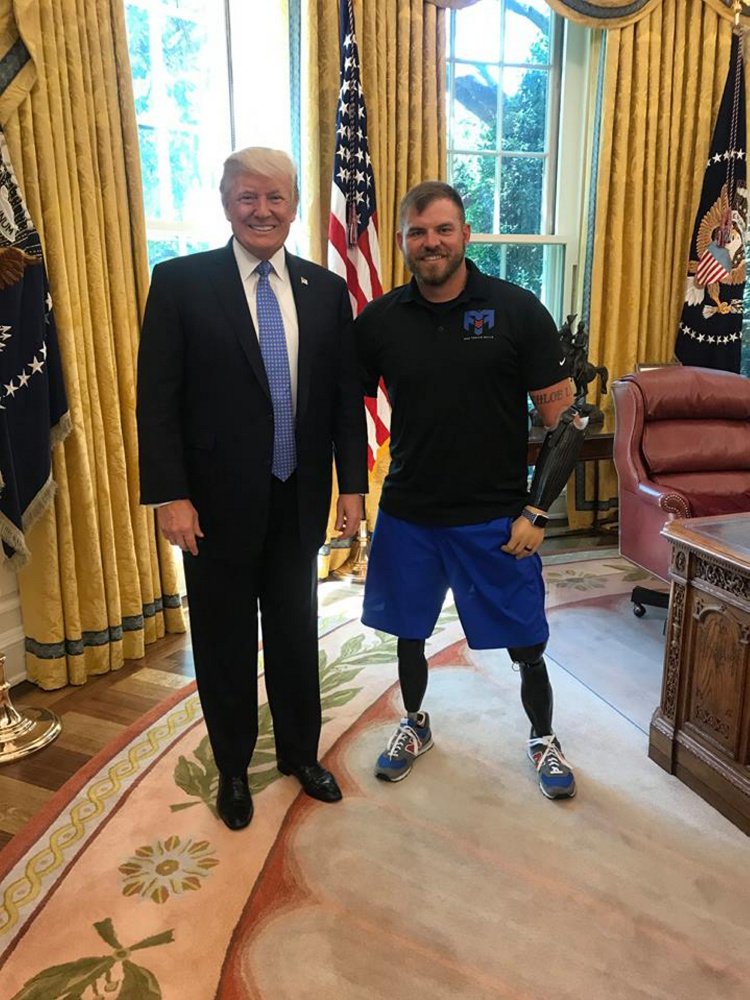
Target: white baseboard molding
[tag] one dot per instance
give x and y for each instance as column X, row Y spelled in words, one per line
column 12, row 643
column 12, row 638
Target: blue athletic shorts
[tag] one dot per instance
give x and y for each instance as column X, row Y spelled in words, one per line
column 499, row 599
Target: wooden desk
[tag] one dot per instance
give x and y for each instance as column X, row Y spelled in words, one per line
column 701, row 730
column 596, row 445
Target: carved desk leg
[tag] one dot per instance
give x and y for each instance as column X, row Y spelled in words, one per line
column 661, row 745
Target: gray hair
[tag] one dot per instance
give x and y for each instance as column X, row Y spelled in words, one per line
column 422, row 195
column 258, row 160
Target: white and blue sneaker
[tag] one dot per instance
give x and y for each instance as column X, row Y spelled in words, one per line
column 411, row 738
column 556, row 779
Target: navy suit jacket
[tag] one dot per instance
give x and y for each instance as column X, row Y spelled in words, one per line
column 205, row 420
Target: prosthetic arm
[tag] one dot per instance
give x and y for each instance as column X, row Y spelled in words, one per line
column 557, row 458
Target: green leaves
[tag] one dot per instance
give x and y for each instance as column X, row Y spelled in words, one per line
column 166, row 937
column 574, row 579
column 263, row 765
column 103, row 974
column 630, row 573
column 68, row 980
column 199, row 778
column 106, row 931
column 138, row 984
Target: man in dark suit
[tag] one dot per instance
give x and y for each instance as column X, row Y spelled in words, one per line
column 246, row 392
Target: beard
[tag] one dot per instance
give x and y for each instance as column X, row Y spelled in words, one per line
column 435, row 272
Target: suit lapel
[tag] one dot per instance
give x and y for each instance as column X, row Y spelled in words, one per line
column 231, row 293
column 301, row 290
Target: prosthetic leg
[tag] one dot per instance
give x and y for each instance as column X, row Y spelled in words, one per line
column 557, row 458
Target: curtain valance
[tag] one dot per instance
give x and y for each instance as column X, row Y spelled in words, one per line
column 601, row 13
column 622, row 13
column 605, row 13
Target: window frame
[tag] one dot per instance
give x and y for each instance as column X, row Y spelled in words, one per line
column 565, row 147
column 167, row 228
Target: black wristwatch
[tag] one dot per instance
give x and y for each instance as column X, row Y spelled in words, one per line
column 538, row 520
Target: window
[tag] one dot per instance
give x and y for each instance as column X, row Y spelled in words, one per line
column 506, row 99
column 178, row 55
column 198, row 95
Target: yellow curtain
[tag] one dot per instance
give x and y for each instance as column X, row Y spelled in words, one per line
column 99, row 585
column 663, row 81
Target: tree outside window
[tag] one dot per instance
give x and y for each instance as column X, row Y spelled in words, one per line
column 178, row 56
column 198, row 96
column 504, row 66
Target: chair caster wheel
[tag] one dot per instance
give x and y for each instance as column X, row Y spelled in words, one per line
column 638, row 610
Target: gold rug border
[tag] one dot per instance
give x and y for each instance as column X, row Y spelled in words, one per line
column 90, row 805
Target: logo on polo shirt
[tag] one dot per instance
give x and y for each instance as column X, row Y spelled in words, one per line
column 478, row 322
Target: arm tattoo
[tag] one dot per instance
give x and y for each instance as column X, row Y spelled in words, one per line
column 540, row 398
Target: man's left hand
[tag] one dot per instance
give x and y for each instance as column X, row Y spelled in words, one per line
column 349, row 512
column 524, row 539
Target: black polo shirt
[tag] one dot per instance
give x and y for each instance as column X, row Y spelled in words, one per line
column 457, row 376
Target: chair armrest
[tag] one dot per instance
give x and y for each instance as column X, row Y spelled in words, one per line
column 670, row 501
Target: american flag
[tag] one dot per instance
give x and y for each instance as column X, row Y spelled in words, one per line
column 353, row 250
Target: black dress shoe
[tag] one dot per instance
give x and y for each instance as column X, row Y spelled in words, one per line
column 315, row 780
column 233, row 802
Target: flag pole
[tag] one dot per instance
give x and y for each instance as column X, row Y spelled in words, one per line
column 354, row 567
column 353, row 251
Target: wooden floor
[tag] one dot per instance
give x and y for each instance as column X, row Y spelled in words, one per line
column 92, row 715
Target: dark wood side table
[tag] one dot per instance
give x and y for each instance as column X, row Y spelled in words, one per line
column 701, row 730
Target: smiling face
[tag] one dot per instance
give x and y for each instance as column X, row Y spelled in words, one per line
column 433, row 243
column 260, row 210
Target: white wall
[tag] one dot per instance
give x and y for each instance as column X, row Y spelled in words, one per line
column 11, row 626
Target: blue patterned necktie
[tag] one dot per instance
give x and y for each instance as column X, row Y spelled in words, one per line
column 273, row 348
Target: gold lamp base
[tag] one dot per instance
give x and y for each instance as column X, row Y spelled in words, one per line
column 354, row 567
column 23, row 733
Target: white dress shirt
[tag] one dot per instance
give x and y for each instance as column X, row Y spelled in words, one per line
column 282, row 289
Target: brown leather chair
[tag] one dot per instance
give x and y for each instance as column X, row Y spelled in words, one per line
column 681, row 449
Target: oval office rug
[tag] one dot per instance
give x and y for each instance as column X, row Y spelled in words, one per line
column 461, row 881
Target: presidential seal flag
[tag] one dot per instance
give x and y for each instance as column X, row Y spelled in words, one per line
column 710, row 332
column 353, row 248
column 33, row 408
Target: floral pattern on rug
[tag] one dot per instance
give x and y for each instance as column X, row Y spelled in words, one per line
column 592, row 575
column 574, row 579
column 108, row 976
column 199, row 778
column 165, row 879
column 167, row 868
column 28, row 880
